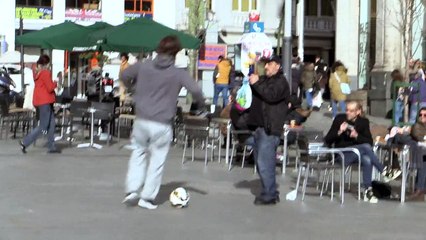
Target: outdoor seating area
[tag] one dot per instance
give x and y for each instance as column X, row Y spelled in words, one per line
column 308, row 156
column 200, row 138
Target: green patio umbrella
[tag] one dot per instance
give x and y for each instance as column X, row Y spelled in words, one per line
column 41, row 37
column 140, row 34
column 78, row 40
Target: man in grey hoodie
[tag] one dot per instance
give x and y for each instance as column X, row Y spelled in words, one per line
column 158, row 83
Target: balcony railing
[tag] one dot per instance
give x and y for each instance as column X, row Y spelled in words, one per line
column 312, row 24
column 319, row 24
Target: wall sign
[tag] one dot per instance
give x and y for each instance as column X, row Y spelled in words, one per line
column 34, row 12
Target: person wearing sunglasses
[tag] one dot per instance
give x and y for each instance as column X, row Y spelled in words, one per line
column 352, row 129
column 418, row 133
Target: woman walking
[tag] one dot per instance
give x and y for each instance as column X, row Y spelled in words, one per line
column 338, row 77
column 43, row 99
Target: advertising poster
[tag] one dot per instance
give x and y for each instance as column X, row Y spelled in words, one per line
column 209, row 54
column 77, row 14
column 34, row 12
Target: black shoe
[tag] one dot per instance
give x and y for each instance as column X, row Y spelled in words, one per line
column 23, row 148
column 261, row 201
column 54, row 151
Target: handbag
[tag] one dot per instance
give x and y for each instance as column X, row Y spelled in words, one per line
column 346, row 89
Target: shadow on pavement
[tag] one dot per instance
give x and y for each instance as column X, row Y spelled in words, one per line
column 253, row 185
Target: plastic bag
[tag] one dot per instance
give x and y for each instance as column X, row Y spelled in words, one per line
column 345, row 88
column 244, row 96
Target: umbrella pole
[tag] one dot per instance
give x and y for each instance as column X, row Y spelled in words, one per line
column 21, row 30
column 69, row 68
column 101, row 65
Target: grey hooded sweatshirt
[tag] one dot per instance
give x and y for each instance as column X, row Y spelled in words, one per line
column 158, row 83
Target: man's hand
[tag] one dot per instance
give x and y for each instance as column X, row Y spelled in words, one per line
column 343, row 126
column 253, row 78
column 354, row 133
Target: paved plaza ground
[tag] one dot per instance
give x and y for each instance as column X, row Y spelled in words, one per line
column 77, row 195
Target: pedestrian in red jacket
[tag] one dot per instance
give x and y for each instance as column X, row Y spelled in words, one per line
column 43, row 99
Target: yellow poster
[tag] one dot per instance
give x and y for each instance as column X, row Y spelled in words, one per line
column 34, row 12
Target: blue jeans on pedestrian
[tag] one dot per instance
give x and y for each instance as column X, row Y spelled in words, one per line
column 421, row 178
column 342, row 105
column 46, row 127
column 398, row 110
column 265, row 148
column 309, row 96
column 368, row 160
column 221, row 88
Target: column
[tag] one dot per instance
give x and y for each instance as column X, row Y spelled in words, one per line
column 364, row 43
column 165, row 12
column 7, row 19
column 113, row 11
column 388, row 39
column 58, row 57
column 347, row 38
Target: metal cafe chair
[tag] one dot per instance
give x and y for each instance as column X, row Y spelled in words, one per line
column 196, row 129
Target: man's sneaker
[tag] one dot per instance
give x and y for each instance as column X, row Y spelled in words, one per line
column 23, row 148
column 54, row 150
column 369, row 196
column 131, row 198
column 389, row 175
column 145, row 204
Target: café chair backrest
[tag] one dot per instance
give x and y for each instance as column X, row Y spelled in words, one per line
column 79, row 108
column 104, row 110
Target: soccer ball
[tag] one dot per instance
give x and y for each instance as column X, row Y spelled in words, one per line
column 179, row 198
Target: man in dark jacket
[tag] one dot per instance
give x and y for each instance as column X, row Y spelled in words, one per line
column 267, row 116
column 353, row 130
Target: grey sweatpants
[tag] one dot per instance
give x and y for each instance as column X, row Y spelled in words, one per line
column 146, row 164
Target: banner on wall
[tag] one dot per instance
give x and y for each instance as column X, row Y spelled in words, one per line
column 34, row 12
column 77, row 14
column 209, row 54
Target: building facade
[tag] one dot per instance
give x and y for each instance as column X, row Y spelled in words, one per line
column 359, row 33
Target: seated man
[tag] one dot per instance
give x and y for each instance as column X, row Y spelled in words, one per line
column 418, row 133
column 353, row 130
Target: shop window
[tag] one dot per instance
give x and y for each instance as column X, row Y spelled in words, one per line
column 311, row 7
column 86, row 4
column 326, row 8
column 141, row 6
column 244, row 5
column 34, row 3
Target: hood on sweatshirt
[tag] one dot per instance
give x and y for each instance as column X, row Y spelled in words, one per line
column 163, row 61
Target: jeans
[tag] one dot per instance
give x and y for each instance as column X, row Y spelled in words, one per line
column 421, row 178
column 368, row 160
column 265, row 147
column 414, row 109
column 220, row 88
column 46, row 126
column 342, row 105
column 146, row 165
column 309, row 95
column 398, row 111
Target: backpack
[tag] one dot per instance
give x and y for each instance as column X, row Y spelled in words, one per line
column 381, row 190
